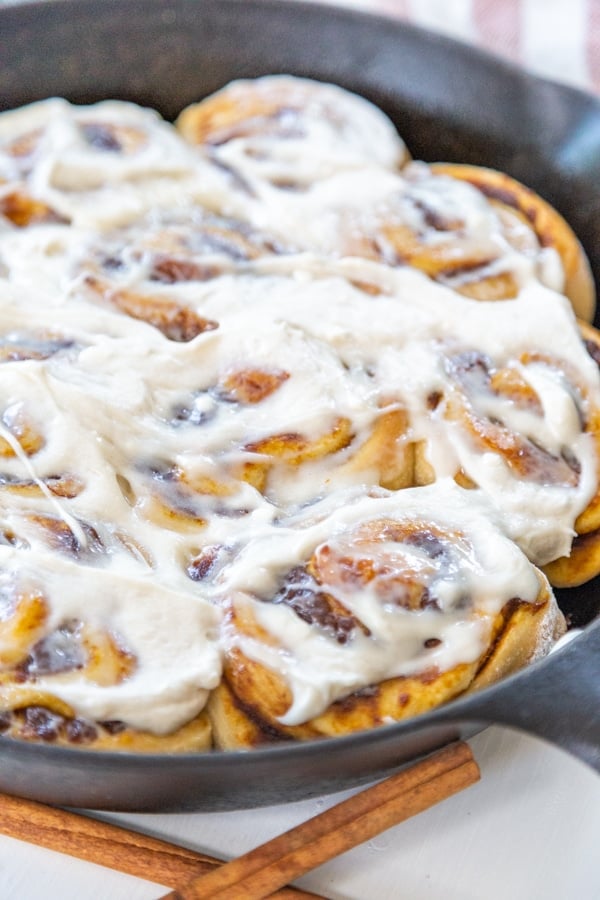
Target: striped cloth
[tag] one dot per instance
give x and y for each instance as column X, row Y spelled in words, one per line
column 558, row 39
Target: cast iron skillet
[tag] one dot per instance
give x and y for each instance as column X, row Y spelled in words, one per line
column 450, row 103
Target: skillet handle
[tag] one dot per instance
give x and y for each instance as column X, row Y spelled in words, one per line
column 557, row 699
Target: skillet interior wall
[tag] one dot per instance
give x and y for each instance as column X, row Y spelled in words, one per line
column 476, row 109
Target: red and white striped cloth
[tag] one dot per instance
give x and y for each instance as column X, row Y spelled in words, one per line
column 557, row 39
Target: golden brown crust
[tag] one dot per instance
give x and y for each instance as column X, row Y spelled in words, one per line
column 234, row 726
column 582, row 564
column 391, row 700
column 523, row 632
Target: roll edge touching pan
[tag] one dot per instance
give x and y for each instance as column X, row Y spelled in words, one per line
column 449, row 102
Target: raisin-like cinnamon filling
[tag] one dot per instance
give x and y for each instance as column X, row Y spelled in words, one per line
column 41, row 724
column 201, row 409
column 436, row 220
column 593, row 349
column 203, row 564
column 171, row 270
column 311, row 604
column 100, row 137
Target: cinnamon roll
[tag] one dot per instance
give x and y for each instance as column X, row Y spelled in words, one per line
column 475, row 230
column 95, row 166
column 535, row 228
column 279, row 411
column 518, row 422
column 79, row 673
column 583, row 561
column 377, row 612
column 152, row 268
column 284, row 133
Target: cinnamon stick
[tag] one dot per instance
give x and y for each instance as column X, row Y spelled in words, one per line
column 262, row 871
column 109, row 845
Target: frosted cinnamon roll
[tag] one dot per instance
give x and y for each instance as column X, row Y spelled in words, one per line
column 155, row 270
column 522, row 425
column 583, row 561
column 533, row 227
column 473, row 229
column 94, row 166
column 79, row 665
column 383, row 610
column 284, row 133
